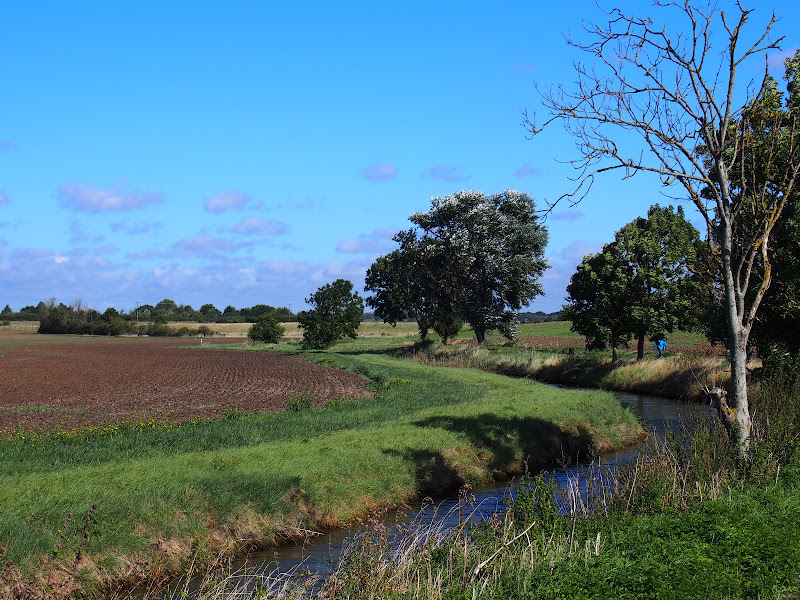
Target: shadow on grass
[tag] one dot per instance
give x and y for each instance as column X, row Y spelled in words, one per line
column 574, row 372
column 432, row 472
column 511, row 446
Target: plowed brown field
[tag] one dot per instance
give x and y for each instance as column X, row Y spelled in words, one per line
column 52, row 382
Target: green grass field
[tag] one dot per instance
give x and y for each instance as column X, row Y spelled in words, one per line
column 166, row 493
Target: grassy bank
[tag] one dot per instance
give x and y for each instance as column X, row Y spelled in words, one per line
column 165, row 495
column 743, row 545
column 679, row 376
column 687, row 519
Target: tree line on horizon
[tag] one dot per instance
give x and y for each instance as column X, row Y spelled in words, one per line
column 166, row 308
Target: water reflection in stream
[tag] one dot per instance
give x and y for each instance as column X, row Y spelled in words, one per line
column 319, row 555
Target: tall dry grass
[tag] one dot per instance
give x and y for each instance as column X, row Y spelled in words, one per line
column 682, row 376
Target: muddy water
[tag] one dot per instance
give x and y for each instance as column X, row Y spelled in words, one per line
column 318, row 555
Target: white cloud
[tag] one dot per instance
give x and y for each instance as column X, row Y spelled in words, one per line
column 3, row 198
column 253, row 225
column 448, row 173
column 226, row 200
column 149, row 254
column 568, row 215
column 362, row 246
column 200, row 245
column 527, row 171
column 90, row 199
column 135, row 228
column 379, row 172
column 377, row 242
column 776, row 58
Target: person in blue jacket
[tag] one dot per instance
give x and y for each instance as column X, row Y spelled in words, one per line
column 660, row 346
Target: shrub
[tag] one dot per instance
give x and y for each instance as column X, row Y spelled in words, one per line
column 336, row 314
column 266, row 329
column 205, row 330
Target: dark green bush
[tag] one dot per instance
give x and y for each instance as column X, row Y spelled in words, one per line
column 266, row 329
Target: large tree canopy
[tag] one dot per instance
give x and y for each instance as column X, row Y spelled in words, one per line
column 663, row 100
column 639, row 285
column 769, row 123
column 472, row 257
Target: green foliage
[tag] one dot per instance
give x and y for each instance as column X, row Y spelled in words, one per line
column 472, row 258
column 406, row 284
column 300, row 402
column 639, row 285
column 777, row 413
column 144, row 473
column 336, row 314
column 535, row 501
column 762, row 148
column 78, row 320
column 267, row 329
column 210, row 313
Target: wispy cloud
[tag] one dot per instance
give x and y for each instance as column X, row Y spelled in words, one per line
column 149, row 254
column 90, row 199
column 226, row 200
column 379, row 172
column 201, row 245
column 377, row 242
column 527, row 171
column 6, row 145
column 567, row 215
column 452, row 174
column 109, row 249
column 309, row 203
column 253, row 225
column 77, row 232
column 3, row 198
column 135, row 228
column 775, row 60
column 174, row 275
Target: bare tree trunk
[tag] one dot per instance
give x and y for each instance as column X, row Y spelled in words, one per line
column 640, row 347
column 736, row 413
column 738, row 422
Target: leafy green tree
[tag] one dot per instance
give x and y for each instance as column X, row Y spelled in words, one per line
column 492, row 249
column 641, row 285
column 664, row 101
column 779, row 316
column 6, row 311
column 251, row 314
column 406, row 283
column 267, row 329
column 773, row 271
column 211, row 313
column 336, row 313
column 166, row 307
column 473, row 257
column 597, row 296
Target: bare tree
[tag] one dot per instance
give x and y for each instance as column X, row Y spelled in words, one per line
column 665, row 102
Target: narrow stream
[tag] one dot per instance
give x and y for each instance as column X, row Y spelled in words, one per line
column 318, row 556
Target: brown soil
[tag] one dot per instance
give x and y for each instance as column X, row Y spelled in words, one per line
column 53, row 382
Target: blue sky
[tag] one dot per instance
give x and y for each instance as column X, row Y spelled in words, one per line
column 248, row 152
